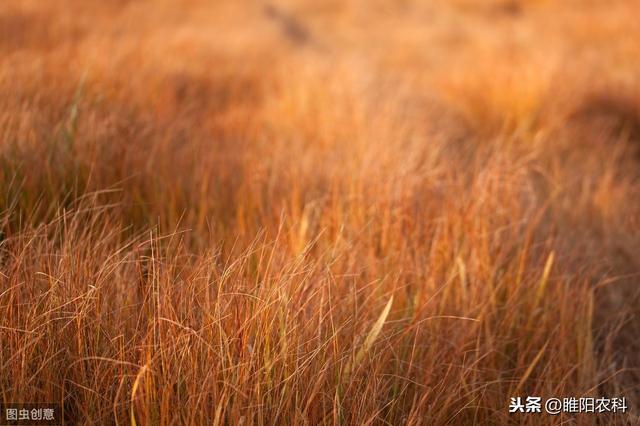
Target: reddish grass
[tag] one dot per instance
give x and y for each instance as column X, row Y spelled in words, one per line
column 204, row 214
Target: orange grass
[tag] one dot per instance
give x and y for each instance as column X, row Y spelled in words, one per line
column 318, row 212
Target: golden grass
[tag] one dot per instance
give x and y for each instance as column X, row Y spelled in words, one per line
column 318, row 213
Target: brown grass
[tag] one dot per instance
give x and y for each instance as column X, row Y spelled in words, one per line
column 318, row 212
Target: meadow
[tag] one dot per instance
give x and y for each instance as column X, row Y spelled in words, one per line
column 337, row 212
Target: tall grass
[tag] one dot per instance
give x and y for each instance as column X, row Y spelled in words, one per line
column 210, row 227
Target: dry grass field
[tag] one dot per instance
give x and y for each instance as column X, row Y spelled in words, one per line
column 319, row 212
